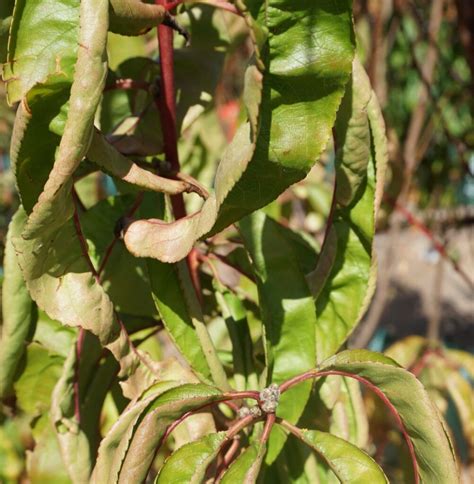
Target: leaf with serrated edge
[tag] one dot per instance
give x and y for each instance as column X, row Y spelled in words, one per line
column 246, row 467
column 189, row 463
column 350, row 464
column 308, row 76
column 68, row 292
column 435, row 458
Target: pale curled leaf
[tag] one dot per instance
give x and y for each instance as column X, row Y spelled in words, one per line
column 113, row 162
column 302, row 87
column 350, row 464
column 435, row 458
column 59, row 280
column 134, row 17
column 19, row 311
column 189, row 463
column 54, row 205
column 163, row 411
column 114, row 445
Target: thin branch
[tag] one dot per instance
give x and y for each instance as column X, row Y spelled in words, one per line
column 228, row 458
column 108, row 251
column 439, row 246
column 318, row 374
column 166, row 104
column 269, row 422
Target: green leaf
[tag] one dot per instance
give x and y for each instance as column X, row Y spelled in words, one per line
column 130, row 118
column 288, row 314
column 349, row 464
column 189, row 463
column 352, row 132
column 35, row 384
column 53, row 336
column 44, row 463
column 198, row 67
column 350, row 283
column 462, row 394
column 246, row 467
column 344, row 280
column 348, row 419
column 434, row 455
column 170, row 300
column 164, row 410
column 308, row 76
column 19, row 311
column 4, row 31
column 43, row 41
column 235, row 316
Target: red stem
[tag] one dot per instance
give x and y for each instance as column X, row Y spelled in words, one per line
column 268, row 427
column 228, row 458
column 166, row 103
column 108, row 251
column 440, row 247
column 317, row 374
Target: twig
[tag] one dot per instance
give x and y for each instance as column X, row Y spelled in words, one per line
column 318, row 374
column 440, row 247
column 108, row 251
column 166, row 104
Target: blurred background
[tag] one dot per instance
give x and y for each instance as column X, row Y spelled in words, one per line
column 419, row 55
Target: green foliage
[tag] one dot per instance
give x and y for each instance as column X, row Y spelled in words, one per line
column 250, row 312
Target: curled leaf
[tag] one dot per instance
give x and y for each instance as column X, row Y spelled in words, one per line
column 296, row 93
column 113, row 162
column 54, row 206
column 134, row 17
